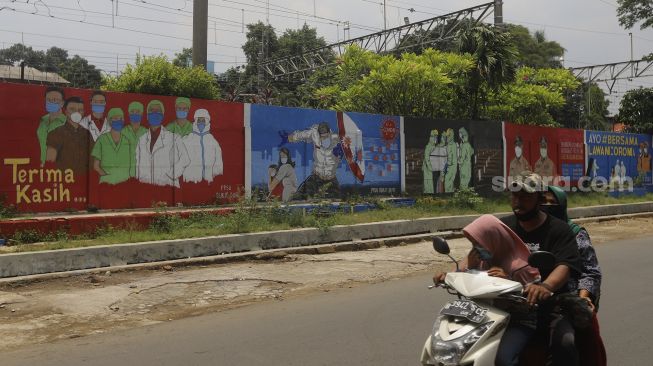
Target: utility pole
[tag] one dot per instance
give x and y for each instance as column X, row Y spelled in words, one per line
column 242, row 20
column 632, row 66
column 314, row 10
column 200, row 31
column 385, row 22
column 498, row 12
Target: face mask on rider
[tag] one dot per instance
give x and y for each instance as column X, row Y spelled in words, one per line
column 554, row 210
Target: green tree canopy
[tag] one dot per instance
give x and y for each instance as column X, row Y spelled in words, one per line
column 157, row 75
column 533, row 97
column 630, row 12
column 76, row 69
column 184, row 58
column 426, row 85
column 636, row 110
column 534, row 50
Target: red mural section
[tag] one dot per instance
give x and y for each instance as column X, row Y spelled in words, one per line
column 557, row 154
column 57, row 161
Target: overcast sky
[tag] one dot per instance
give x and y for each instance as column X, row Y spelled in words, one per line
column 587, row 29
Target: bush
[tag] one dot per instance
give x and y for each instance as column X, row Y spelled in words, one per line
column 28, row 236
column 466, row 198
column 6, row 210
column 165, row 223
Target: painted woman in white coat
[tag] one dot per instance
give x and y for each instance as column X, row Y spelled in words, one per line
column 161, row 156
column 203, row 149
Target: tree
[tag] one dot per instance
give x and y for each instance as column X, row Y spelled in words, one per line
column 76, row 70
column 535, row 50
column 584, row 108
column 426, row 85
column 184, row 58
column 494, row 57
column 533, row 97
column 636, row 110
column 156, row 75
column 632, row 11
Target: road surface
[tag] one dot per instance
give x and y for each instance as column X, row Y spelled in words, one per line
column 382, row 324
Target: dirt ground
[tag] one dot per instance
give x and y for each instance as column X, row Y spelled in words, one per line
column 77, row 306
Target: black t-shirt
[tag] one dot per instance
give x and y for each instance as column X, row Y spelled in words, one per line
column 553, row 236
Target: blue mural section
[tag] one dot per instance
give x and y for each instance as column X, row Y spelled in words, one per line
column 297, row 154
column 618, row 158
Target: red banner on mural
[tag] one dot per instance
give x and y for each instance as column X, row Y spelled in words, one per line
column 73, row 149
column 557, row 154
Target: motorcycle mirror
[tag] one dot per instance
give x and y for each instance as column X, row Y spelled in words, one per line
column 543, row 261
column 441, row 246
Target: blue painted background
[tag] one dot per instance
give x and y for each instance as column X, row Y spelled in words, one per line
column 382, row 160
column 608, row 147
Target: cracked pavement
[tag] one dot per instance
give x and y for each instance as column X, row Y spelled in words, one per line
column 77, row 306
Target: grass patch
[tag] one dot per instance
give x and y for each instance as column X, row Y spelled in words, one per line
column 252, row 217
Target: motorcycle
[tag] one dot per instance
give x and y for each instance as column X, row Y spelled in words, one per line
column 468, row 330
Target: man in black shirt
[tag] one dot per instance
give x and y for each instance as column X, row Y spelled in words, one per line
column 543, row 232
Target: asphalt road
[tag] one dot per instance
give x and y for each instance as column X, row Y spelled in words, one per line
column 383, row 324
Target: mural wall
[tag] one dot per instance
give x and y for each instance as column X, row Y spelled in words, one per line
column 443, row 156
column 614, row 156
column 557, row 154
column 69, row 149
column 301, row 153
column 75, row 149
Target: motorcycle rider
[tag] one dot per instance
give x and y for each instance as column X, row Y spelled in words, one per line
column 543, row 232
column 589, row 342
column 506, row 257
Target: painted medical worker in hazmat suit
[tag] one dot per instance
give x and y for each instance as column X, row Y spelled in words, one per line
column 203, row 150
column 466, row 155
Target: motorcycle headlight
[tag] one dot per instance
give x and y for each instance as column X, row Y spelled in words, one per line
column 449, row 353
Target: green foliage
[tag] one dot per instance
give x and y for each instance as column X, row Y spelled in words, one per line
column 156, row 75
column 534, row 50
column 533, row 96
column 426, row 85
column 466, row 198
column 184, row 58
column 631, row 12
column 579, row 112
column 636, row 110
column 75, row 69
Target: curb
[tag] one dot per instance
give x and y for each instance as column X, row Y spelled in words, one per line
column 118, row 255
column 260, row 255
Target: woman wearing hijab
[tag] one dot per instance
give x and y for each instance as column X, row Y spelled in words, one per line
column 589, row 342
column 508, row 256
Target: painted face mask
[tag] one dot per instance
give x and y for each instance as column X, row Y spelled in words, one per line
column 518, row 151
column 117, row 125
column 76, row 117
column 135, row 117
column 284, row 160
column 201, row 126
column 97, row 108
column 325, row 143
column 155, row 118
column 182, row 114
column 543, row 153
column 51, row 107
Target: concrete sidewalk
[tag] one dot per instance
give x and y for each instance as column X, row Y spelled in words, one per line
column 31, row 263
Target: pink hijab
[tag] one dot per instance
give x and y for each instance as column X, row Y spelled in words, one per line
column 508, row 251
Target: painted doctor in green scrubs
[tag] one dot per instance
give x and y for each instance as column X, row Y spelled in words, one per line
column 114, row 160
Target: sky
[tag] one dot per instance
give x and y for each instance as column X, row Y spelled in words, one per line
column 110, row 33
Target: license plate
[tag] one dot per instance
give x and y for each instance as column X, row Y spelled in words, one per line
column 465, row 309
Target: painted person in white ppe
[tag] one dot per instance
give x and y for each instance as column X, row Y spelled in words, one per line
column 203, row 150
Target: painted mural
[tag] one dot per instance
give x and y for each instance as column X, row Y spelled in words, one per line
column 298, row 153
column 615, row 158
column 443, row 156
column 114, row 150
column 556, row 154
